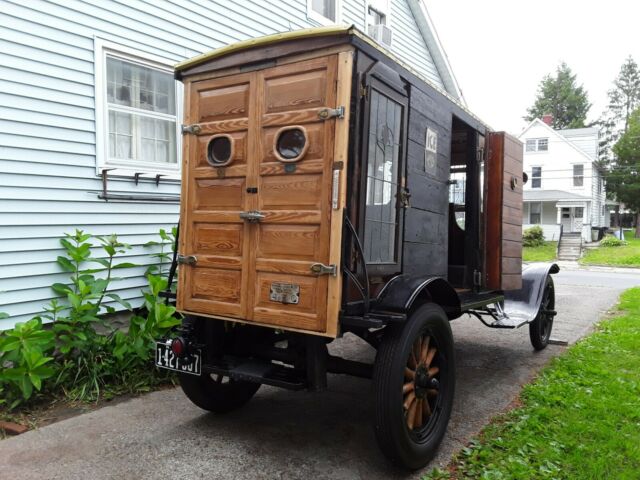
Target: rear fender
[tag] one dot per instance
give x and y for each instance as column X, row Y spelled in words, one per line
column 403, row 292
column 525, row 302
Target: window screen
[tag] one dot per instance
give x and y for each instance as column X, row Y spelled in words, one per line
column 142, row 113
column 381, row 215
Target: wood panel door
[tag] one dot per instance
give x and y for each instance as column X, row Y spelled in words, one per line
column 503, row 212
column 242, row 264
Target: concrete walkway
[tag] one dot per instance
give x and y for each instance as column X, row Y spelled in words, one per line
column 289, row 435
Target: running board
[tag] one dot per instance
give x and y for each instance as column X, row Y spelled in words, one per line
column 257, row 371
column 509, row 322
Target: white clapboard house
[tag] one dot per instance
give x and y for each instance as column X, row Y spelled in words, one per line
column 565, row 191
column 90, row 115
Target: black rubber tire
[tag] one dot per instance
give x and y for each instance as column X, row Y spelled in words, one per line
column 204, row 391
column 540, row 328
column 404, row 447
column 209, row 395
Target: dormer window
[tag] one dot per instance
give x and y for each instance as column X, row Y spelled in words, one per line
column 537, row 144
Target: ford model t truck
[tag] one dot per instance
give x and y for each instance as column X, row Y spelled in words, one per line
column 329, row 189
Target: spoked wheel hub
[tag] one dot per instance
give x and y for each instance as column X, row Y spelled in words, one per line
column 421, row 388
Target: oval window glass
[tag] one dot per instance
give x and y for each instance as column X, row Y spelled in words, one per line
column 291, row 144
column 219, row 151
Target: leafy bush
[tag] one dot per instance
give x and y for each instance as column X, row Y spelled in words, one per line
column 611, row 241
column 82, row 355
column 533, row 237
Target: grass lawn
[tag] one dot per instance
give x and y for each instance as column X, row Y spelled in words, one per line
column 544, row 253
column 627, row 255
column 579, row 420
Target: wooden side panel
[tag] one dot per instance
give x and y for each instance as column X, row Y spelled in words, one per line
column 503, row 212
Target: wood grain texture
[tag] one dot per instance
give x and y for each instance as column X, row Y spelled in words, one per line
column 503, row 212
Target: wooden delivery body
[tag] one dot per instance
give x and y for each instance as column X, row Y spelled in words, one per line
column 250, row 95
column 328, row 189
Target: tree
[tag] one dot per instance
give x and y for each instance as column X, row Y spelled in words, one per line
column 624, row 99
column 561, row 97
column 624, row 178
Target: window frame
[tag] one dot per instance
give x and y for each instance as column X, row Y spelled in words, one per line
column 321, row 19
column 574, row 176
column 102, row 50
column 387, row 90
column 538, row 213
column 536, row 145
column 532, row 178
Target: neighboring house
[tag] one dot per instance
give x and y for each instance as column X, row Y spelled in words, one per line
column 565, row 186
column 90, row 115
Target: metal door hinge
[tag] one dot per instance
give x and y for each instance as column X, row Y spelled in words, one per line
column 252, row 216
column 322, row 269
column 194, row 129
column 327, row 113
column 187, row 259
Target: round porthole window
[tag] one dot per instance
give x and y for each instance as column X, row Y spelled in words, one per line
column 220, row 150
column 290, row 144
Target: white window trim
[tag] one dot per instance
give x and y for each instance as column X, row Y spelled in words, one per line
column 537, row 145
column 573, row 176
column 386, row 11
column 532, row 177
column 530, row 212
column 102, row 48
column 321, row 19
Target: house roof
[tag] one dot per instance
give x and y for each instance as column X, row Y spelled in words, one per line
column 551, row 196
column 559, row 134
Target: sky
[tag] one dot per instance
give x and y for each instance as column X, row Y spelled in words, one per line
column 499, row 50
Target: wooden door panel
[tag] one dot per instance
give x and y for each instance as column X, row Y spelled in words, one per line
column 289, row 242
column 217, row 101
column 291, row 192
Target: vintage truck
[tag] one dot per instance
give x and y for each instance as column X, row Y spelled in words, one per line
column 329, row 189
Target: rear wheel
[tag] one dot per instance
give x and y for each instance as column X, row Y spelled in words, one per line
column 214, row 392
column 414, row 381
column 540, row 328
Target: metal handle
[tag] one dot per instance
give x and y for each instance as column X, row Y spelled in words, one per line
column 322, row 269
column 252, row 216
column 187, row 259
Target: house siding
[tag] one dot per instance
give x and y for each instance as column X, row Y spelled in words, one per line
column 48, row 178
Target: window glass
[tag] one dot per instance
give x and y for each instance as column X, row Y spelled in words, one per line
column 578, row 175
column 326, row 8
column 536, row 177
column 531, row 145
column 543, row 144
column 385, row 122
column 537, row 145
column 141, row 107
column 578, row 213
column 535, row 211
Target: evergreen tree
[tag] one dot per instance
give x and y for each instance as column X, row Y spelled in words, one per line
column 560, row 96
column 624, row 98
column 624, row 178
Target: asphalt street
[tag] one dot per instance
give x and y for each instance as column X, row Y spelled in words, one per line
column 291, row 435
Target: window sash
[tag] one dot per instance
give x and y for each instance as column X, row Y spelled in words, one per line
column 578, row 175
column 535, row 213
column 536, row 177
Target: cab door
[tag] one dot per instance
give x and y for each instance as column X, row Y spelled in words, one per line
column 260, row 232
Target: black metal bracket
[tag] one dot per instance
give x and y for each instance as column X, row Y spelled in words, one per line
column 106, row 196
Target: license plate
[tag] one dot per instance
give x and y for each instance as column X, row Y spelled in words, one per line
column 165, row 358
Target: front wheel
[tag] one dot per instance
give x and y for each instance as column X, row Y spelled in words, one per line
column 414, row 382
column 540, row 328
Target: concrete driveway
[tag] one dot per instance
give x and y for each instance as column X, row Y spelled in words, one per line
column 289, row 435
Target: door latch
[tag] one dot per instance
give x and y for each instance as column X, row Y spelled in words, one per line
column 252, row 216
column 322, row 269
column 327, row 113
column 194, row 129
column 187, row 259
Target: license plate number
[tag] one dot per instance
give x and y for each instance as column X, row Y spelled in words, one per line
column 166, row 359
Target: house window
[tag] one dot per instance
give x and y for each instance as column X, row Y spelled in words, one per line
column 578, row 175
column 537, row 144
column 578, row 213
column 535, row 212
column 325, row 12
column 536, row 177
column 375, row 17
column 141, row 106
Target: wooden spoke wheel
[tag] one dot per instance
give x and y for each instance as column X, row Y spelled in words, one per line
column 414, row 382
column 540, row 328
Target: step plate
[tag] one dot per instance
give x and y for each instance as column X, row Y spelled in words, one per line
column 257, row 371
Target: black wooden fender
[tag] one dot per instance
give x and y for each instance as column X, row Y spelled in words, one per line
column 403, row 291
column 524, row 303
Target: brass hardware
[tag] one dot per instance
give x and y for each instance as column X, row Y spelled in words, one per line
column 322, row 269
column 327, row 113
column 514, row 182
column 335, row 189
column 194, row 129
column 285, row 293
column 187, row 259
column 252, row 216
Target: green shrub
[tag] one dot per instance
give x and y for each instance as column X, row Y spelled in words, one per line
column 533, row 237
column 611, row 241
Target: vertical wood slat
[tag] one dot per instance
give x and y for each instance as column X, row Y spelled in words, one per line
column 503, row 212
